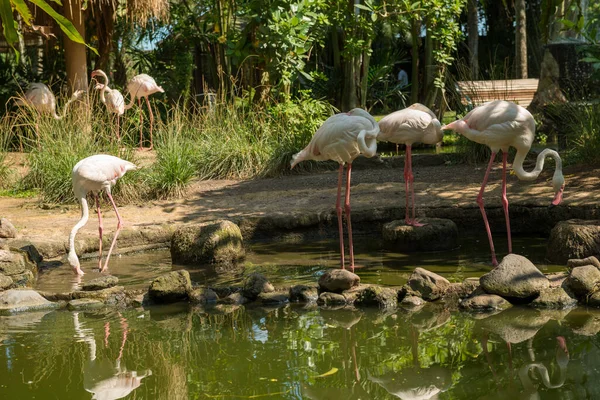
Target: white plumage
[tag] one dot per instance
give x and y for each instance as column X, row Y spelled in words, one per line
column 139, row 86
column 40, row 97
column 94, row 174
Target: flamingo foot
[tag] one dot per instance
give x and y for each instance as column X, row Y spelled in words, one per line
column 415, row 223
column 78, row 271
column 494, row 261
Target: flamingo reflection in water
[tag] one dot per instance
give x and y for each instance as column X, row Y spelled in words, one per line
column 102, row 378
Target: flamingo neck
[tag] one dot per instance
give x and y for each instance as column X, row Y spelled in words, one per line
column 539, row 165
column 73, row 259
column 74, row 97
column 102, row 91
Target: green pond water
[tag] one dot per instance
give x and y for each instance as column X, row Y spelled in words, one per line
column 294, row 352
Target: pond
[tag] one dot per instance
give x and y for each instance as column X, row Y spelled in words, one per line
column 296, row 352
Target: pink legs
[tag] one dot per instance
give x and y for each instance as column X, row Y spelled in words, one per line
column 141, row 124
column 119, row 227
column 505, row 200
column 118, row 128
column 409, row 178
column 100, row 229
column 338, row 209
column 480, row 202
column 151, row 122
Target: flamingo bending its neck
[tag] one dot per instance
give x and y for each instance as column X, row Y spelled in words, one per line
column 112, row 98
column 499, row 125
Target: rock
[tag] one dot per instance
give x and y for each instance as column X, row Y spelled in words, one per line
column 411, row 301
column 25, row 279
column 234, row 298
column 515, row 277
column 583, row 281
column 5, row 282
column 557, row 279
column 429, row 285
column 594, row 300
column 7, row 229
column 15, row 300
column 84, row 304
column 303, row 294
column 216, row 242
column 171, row 287
column 338, row 280
column 100, row 283
column 331, row 299
column 203, row 296
column 12, row 263
column 342, row 317
column 574, row 238
column 430, row 317
column 554, row 298
column 438, row 234
column 515, row 325
column 273, row 298
column 114, row 296
column 576, row 262
column 377, row 296
column 484, row 302
column 255, row 284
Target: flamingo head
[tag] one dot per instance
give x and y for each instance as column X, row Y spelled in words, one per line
column 459, row 126
column 99, row 86
column 95, row 73
column 558, row 184
column 562, row 353
column 74, row 262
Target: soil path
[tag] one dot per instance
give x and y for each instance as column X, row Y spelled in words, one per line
column 435, row 186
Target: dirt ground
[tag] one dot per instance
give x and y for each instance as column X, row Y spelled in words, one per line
column 435, row 186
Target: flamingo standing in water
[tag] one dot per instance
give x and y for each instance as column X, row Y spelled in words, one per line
column 500, row 124
column 342, row 138
column 143, row 86
column 93, row 174
column 112, row 98
column 416, row 123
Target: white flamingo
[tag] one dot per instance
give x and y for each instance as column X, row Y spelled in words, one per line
column 139, row 86
column 40, row 97
column 500, row 124
column 342, row 138
column 415, row 124
column 93, row 174
column 112, row 98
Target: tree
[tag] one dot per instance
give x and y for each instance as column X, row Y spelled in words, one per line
column 473, row 37
column 520, row 40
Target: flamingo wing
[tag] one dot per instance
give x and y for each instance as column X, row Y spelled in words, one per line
column 102, row 168
column 405, row 126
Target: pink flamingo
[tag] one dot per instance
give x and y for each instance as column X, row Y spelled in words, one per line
column 143, row 86
column 40, row 97
column 500, row 124
column 93, row 174
column 416, row 123
column 342, row 138
column 112, row 98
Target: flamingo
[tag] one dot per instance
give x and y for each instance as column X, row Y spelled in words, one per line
column 342, row 138
column 40, row 97
column 500, row 124
column 112, row 98
column 143, row 86
column 93, row 174
column 416, row 123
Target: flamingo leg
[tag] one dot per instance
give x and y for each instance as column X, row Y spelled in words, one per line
column 125, row 328
column 106, row 333
column 411, row 180
column 119, row 228
column 338, row 209
column 151, row 122
column 406, row 187
column 141, row 123
column 482, row 209
column 100, row 229
column 118, row 128
column 505, row 200
column 348, row 218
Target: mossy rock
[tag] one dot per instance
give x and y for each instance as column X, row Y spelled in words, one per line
column 171, row 287
column 377, row 296
column 436, row 235
column 574, row 239
column 216, row 242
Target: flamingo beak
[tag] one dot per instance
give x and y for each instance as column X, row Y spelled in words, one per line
column 558, row 196
column 562, row 343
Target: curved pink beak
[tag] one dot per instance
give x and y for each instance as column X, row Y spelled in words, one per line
column 558, row 196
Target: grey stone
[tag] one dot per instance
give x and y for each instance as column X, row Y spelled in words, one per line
column 515, row 277
column 338, row 280
column 303, row 294
column 12, row 263
column 580, row 262
column 5, row 282
column 84, row 304
column 203, row 296
column 594, row 300
column 273, row 298
column 430, row 317
column 438, row 234
column 583, row 281
column 377, row 296
column 574, row 238
column 554, row 298
column 515, row 325
column 255, row 284
column 100, row 283
column 15, row 300
column 484, row 302
column 331, row 299
column 217, row 242
column 7, row 229
column 557, row 279
column 171, row 287
column 24, row 279
column 412, row 301
column 429, row 285
column 235, row 299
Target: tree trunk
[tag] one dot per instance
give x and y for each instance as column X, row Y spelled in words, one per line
column 337, row 63
column 105, row 28
column 414, row 80
column 75, row 55
column 473, row 33
column 430, row 68
column 521, row 40
column 364, row 76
